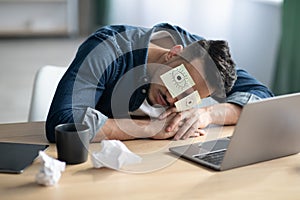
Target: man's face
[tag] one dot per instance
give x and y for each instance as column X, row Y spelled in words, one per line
column 160, row 95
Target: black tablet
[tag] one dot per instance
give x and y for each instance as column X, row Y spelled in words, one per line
column 15, row 157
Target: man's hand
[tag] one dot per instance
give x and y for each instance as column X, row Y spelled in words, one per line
column 126, row 129
column 195, row 119
column 164, row 134
column 192, row 120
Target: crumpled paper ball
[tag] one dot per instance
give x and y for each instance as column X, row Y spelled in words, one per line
column 114, row 154
column 50, row 171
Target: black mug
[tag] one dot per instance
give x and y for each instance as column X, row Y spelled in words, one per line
column 72, row 142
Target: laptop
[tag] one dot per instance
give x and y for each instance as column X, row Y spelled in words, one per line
column 15, row 157
column 267, row 129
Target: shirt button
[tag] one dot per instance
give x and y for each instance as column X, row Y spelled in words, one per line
column 144, row 91
column 145, row 79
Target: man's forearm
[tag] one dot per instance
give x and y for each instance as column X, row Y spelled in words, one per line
column 127, row 129
column 123, row 129
column 224, row 113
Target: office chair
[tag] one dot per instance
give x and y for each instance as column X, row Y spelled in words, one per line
column 45, row 83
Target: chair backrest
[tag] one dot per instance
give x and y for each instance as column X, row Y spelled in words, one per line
column 45, row 83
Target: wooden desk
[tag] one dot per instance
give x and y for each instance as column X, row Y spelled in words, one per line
column 161, row 175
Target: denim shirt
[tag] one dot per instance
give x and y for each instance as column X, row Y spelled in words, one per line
column 108, row 77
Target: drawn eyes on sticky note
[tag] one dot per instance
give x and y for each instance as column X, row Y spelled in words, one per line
column 188, row 102
column 177, row 80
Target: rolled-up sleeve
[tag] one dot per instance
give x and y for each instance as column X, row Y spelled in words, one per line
column 95, row 120
column 242, row 98
column 247, row 89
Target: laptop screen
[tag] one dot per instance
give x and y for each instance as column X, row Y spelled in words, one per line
column 15, row 157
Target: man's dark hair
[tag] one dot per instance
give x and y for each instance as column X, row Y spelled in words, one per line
column 218, row 50
column 219, row 67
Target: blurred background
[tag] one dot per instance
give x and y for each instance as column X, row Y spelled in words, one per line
column 34, row 33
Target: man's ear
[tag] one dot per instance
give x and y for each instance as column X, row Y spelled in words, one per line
column 174, row 51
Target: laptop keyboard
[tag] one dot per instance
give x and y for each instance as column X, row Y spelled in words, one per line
column 213, row 158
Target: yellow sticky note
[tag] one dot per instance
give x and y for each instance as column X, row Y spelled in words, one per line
column 177, row 80
column 188, row 102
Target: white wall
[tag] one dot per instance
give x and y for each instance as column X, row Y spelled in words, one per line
column 254, row 36
column 252, row 27
column 205, row 17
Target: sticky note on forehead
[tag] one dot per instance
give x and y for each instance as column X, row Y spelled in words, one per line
column 177, row 80
column 188, row 102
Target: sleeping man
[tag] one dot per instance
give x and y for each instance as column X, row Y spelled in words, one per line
column 129, row 82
